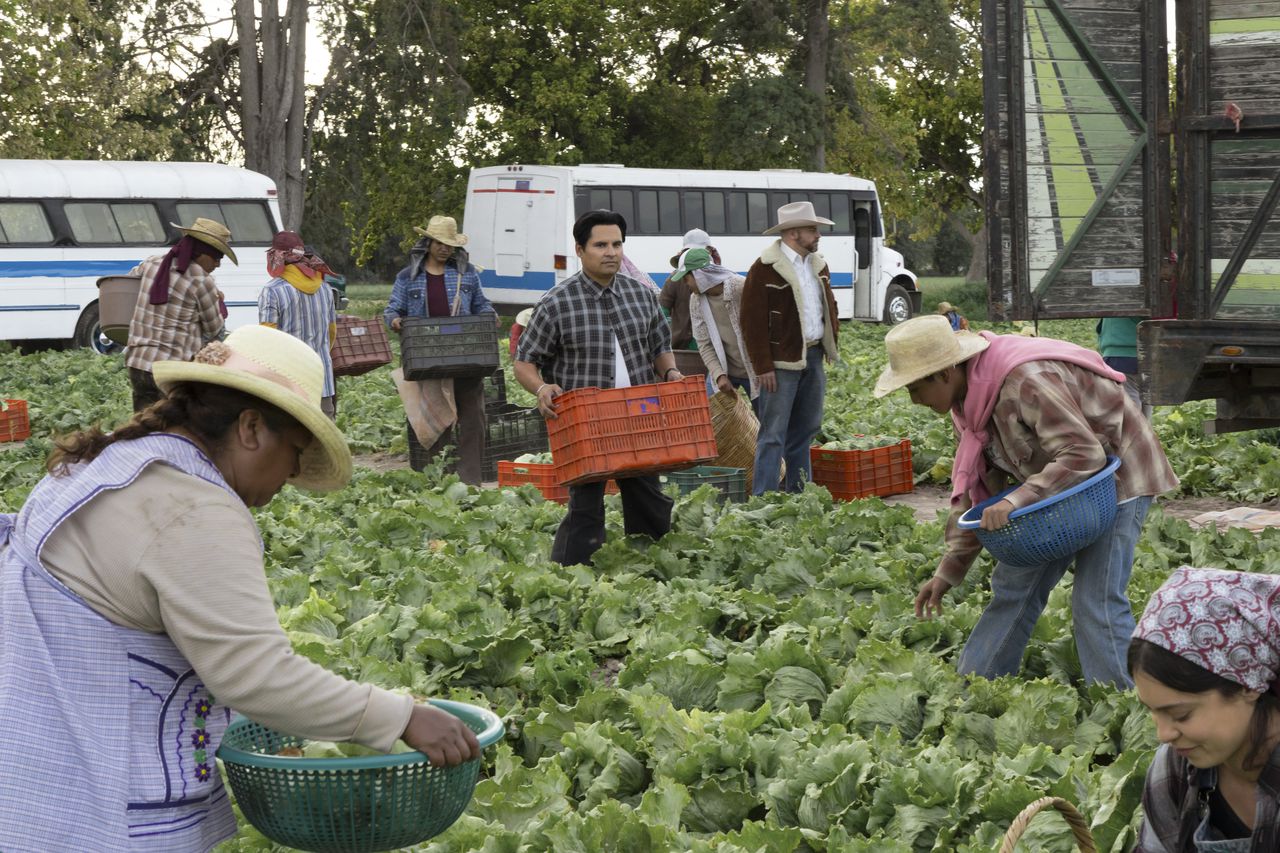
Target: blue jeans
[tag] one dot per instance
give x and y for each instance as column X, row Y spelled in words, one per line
column 789, row 419
column 744, row 384
column 1101, row 618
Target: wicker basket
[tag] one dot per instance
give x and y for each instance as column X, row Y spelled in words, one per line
column 1079, row 826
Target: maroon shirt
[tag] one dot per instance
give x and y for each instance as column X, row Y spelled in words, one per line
column 437, row 297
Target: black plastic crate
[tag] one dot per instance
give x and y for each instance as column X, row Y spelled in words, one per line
column 495, row 391
column 732, row 482
column 511, row 432
column 441, row 347
column 418, row 456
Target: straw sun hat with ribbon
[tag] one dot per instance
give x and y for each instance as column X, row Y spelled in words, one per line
column 921, row 347
column 443, row 229
column 212, row 233
column 282, row 370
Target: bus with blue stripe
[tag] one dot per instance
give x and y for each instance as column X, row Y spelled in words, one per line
column 519, row 223
column 66, row 223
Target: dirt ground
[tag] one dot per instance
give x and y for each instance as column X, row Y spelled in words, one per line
column 927, row 500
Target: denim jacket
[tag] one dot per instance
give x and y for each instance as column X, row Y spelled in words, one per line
column 409, row 295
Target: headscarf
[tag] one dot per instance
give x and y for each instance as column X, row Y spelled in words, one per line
column 630, row 270
column 1225, row 622
column 179, row 257
column 418, row 255
column 706, row 273
column 288, row 249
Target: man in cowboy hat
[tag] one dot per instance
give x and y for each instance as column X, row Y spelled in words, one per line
column 179, row 306
column 1047, row 414
column 789, row 328
column 675, row 295
column 441, row 282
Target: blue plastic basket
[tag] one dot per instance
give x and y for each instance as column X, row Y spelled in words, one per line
column 1053, row 528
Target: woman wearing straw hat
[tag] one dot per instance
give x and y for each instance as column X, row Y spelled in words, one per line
column 440, row 282
column 179, row 305
column 954, row 317
column 1205, row 658
column 123, row 655
column 1048, row 414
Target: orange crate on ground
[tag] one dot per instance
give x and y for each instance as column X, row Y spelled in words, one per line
column 602, row 433
column 15, row 425
column 543, row 476
column 850, row 474
column 360, row 346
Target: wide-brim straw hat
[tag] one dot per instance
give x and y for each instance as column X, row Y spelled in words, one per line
column 281, row 370
column 211, row 232
column 945, row 308
column 921, row 347
column 443, row 229
column 797, row 214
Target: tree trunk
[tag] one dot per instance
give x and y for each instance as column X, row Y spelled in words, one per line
column 817, row 32
column 274, row 117
column 978, row 261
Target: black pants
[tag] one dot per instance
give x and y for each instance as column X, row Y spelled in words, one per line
column 467, row 434
column 143, row 385
column 645, row 509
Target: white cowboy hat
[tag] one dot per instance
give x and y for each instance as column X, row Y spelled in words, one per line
column 280, row 369
column 921, row 347
column 211, row 232
column 443, row 229
column 798, row 214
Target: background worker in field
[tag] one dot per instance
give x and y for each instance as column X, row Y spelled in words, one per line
column 179, row 306
column 297, row 301
column 789, row 327
column 675, row 296
column 715, row 305
column 1047, row 414
column 598, row 328
column 441, row 282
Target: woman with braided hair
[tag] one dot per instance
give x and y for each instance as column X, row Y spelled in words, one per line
column 135, row 613
column 1205, row 658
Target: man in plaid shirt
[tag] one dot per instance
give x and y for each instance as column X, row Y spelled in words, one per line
column 604, row 330
column 1047, row 414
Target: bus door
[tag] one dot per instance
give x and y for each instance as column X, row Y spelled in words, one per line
column 865, row 304
column 511, row 226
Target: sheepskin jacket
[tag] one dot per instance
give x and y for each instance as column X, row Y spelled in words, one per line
column 771, row 301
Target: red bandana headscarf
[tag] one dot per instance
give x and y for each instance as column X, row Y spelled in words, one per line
column 287, row 248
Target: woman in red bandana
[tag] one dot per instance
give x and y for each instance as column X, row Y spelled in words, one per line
column 1205, row 658
column 298, row 301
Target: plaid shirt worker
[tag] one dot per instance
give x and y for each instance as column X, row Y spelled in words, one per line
column 1172, row 810
column 177, row 329
column 570, row 336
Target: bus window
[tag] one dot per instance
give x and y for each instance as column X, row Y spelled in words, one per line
column 623, row 204
column 669, row 211
column 738, row 213
column 247, row 221
column 647, row 212
column 822, row 208
column 106, row 222
column 757, row 213
column 713, row 203
column 693, row 216
column 862, row 235
column 599, row 200
column 23, row 222
column 840, row 212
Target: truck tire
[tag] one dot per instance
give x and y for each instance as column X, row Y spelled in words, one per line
column 897, row 305
column 89, row 333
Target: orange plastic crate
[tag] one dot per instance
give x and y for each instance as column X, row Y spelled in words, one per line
column 851, row 474
column 15, row 425
column 602, row 433
column 541, row 475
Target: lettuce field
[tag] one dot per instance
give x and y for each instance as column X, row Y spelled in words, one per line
column 756, row 682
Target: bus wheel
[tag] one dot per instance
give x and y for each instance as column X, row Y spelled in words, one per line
column 89, row 333
column 897, row 305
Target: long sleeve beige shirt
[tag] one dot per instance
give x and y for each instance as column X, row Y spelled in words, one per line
column 172, row 554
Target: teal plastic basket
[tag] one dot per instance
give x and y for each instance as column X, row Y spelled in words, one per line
column 349, row 805
column 1053, row 528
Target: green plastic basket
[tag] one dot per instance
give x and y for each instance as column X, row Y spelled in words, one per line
column 377, row 802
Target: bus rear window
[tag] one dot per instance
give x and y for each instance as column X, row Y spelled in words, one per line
column 23, row 222
column 247, row 221
column 114, row 222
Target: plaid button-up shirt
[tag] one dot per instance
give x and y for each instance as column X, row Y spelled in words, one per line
column 570, row 336
column 1172, row 809
column 176, row 330
column 1053, row 427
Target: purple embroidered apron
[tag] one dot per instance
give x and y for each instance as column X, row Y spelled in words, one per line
column 107, row 735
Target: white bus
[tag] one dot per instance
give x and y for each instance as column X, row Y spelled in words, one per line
column 519, row 221
column 65, row 223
